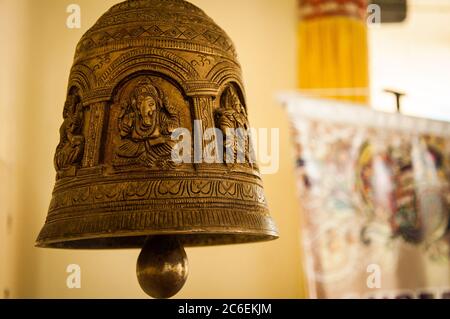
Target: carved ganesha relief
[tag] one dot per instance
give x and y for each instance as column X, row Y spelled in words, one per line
column 148, row 111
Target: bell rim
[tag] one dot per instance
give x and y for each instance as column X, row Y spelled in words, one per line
column 133, row 240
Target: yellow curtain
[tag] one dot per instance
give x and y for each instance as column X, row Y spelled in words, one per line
column 333, row 49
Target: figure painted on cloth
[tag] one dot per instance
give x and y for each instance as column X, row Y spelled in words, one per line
column 404, row 187
column 146, row 123
column 69, row 151
column 385, row 183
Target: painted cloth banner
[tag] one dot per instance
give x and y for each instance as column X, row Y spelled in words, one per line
column 374, row 188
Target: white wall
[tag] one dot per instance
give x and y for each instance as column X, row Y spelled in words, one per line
column 414, row 57
column 12, row 31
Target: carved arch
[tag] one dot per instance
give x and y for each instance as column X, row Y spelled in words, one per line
column 237, row 87
column 81, row 77
column 224, row 73
column 148, row 59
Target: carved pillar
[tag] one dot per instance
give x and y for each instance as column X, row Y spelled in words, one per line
column 94, row 134
column 203, row 112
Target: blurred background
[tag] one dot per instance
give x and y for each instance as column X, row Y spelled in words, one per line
column 36, row 55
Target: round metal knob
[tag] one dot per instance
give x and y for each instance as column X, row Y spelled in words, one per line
column 162, row 266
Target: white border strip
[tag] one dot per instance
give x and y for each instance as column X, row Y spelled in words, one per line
column 301, row 107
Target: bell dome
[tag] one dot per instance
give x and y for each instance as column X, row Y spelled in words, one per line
column 169, row 24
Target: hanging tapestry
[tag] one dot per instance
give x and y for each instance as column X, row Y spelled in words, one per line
column 375, row 196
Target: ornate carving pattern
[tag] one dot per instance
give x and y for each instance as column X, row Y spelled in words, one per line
column 171, row 62
column 231, row 118
column 189, row 191
column 175, row 5
column 168, row 19
column 69, row 152
column 202, row 60
column 224, row 72
column 241, row 226
column 108, row 71
column 81, row 76
column 203, row 111
column 96, row 121
column 97, row 95
column 146, row 68
column 101, row 61
column 201, row 88
column 146, row 123
column 163, row 31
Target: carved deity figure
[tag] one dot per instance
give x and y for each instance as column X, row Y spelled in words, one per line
column 69, row 151
column 232, row 120
column 146, row 123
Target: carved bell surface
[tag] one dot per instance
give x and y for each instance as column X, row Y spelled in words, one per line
column 149, row 76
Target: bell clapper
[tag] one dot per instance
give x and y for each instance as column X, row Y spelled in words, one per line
column 162, row 266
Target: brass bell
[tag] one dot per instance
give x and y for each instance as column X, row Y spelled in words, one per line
column 150, row 81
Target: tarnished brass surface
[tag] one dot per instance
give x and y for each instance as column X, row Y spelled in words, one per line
column 145, row 68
